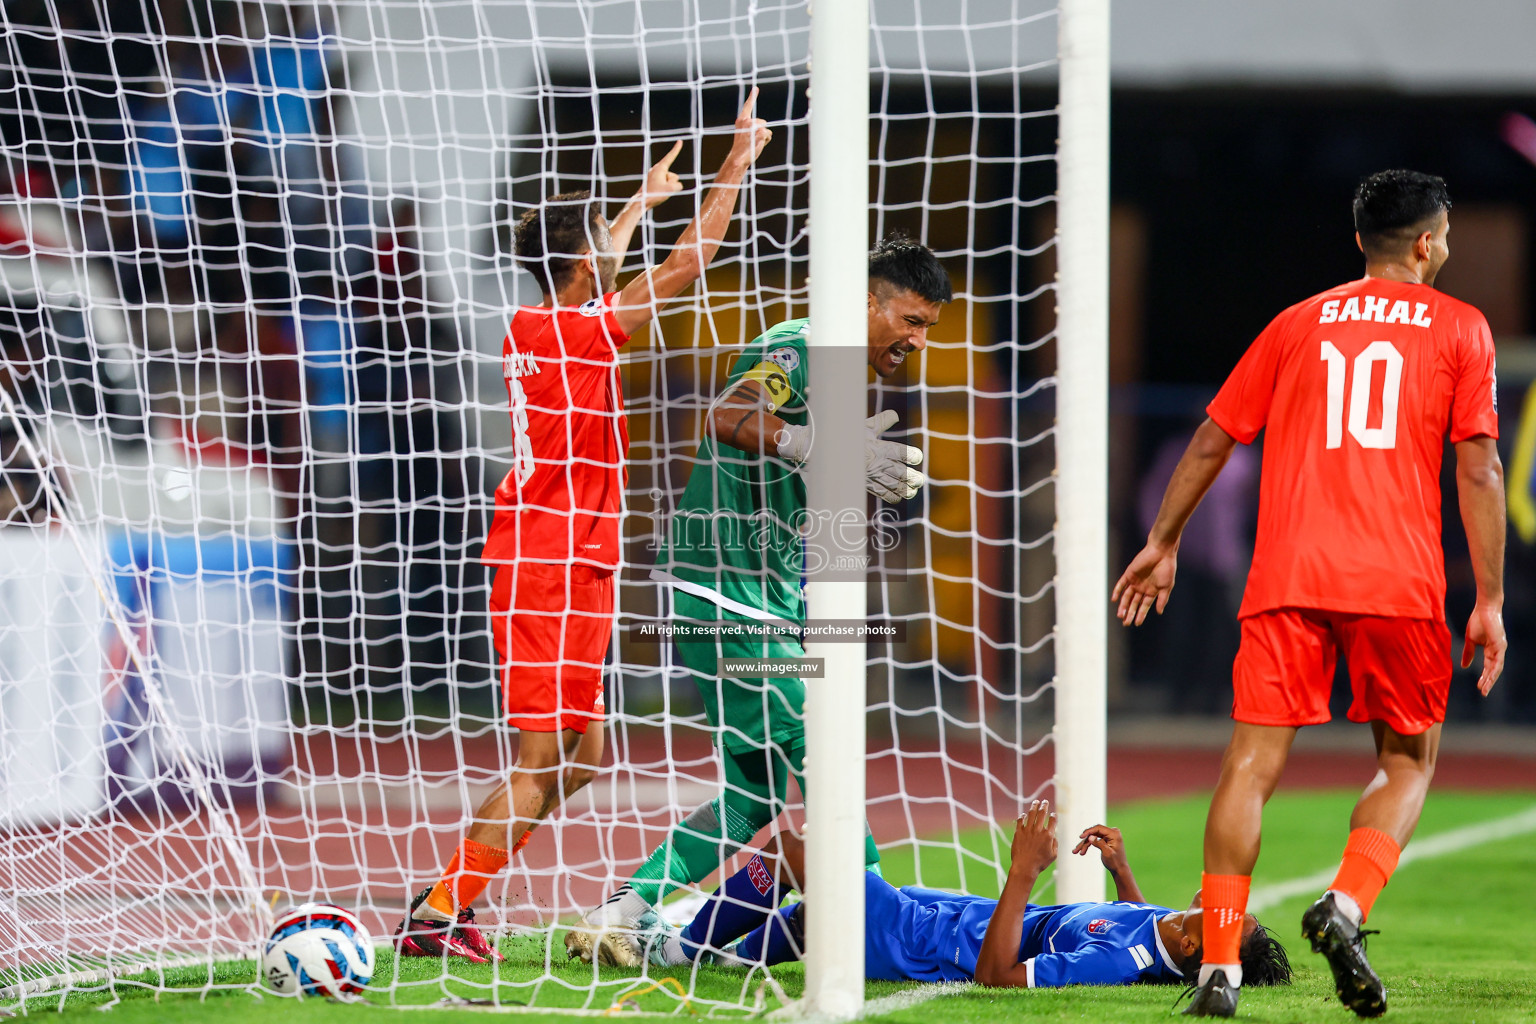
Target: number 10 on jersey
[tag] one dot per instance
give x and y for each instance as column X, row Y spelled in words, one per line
column 1383, row 436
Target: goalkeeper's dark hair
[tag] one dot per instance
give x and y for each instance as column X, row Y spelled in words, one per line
column 1392, row 208
column 1264, row 960
column 550, row 236
column 908, row 265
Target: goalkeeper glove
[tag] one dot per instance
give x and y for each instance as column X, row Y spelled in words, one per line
column 793, row 442
column 888, row 465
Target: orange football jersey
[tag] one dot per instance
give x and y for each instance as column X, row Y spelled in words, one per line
column 564, row 496
column 1356, row 390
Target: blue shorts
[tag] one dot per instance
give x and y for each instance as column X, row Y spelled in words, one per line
column 915, row 934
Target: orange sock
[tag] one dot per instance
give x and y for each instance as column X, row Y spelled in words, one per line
column 1370, row 857
column 466, row 877
column 1225, row 901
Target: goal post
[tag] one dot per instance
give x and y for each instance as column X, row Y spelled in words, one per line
column 835, row 704
column 1082, row 440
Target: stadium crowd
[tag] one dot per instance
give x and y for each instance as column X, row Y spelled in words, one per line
column 185, row 167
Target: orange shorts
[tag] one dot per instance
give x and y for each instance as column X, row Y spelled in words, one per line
column 552, row 624
column 1399, row 669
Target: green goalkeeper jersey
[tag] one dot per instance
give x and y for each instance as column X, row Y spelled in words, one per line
column 736, row 530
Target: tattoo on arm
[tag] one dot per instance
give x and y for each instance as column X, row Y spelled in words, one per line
column 737, row 428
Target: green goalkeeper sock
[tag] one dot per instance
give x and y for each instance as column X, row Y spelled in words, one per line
column 756, row 787
column 694, row 848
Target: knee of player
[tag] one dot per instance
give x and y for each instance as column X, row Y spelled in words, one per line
column 545, row 784
column 1422, row 764
column 1408, row 753
column 1259, row 762
column 578, row 776
column 544, row 775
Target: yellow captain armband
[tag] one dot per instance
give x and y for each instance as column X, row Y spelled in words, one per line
column 774, row 381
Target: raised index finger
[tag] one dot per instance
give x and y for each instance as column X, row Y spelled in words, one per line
column 665, row 162
column 746, row 108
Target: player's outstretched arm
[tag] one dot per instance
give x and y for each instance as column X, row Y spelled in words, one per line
column 1148, row 581
column 1111, row 847
column 1480, row 493
column 660, row 182
column 640, row 298
column 1034, row 849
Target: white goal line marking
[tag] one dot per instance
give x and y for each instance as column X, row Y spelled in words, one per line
column 1438, row 845
column 911, row 997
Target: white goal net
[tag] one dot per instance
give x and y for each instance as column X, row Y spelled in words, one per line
column 255, row 273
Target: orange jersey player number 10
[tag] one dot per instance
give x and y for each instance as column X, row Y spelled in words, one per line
column 1384, row 435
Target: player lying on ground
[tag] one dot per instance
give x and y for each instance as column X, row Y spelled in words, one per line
column 734, row 555
column 1356, row 390
column 554, row 541
column 913, row 934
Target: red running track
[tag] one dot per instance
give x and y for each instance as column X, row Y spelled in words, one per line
column 366, row 823
column 916, row 790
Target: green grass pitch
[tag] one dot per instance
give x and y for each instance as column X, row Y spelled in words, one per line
column 1457, row 941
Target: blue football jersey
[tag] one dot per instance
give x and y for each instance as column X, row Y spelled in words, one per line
column 926, row 935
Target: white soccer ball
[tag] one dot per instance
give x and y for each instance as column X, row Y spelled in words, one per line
column 318, row 949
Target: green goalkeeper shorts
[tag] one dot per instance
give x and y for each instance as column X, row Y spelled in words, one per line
column 749, row 713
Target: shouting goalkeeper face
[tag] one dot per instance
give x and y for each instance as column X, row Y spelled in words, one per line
column 906, row 287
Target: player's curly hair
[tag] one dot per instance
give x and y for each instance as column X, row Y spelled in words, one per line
column 552, row 234
column 908, row 265
column 1264, row 961
column 1393, row 207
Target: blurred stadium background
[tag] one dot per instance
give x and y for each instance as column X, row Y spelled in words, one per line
column 1239, row 131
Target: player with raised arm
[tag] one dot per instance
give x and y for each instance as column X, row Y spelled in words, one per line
column 554, row 540
column 1356, row 390
column 915, row 934
column 735, row 555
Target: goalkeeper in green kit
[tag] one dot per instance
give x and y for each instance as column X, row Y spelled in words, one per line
column 735, row 556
